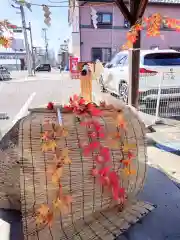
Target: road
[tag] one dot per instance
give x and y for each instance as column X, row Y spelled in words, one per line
column 20, row 93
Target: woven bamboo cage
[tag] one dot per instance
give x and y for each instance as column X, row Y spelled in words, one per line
column 91, row 212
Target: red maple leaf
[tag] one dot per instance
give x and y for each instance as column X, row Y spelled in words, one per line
column 50, row 106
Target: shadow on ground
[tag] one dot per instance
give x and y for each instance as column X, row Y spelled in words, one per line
column 161, row 224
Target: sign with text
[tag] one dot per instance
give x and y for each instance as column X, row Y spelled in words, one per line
column 74, row 67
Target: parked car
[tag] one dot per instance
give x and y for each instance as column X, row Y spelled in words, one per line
column 43, row 68
column 157, row 68
column 4, row 74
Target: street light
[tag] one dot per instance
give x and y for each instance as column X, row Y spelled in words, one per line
column 25, row 36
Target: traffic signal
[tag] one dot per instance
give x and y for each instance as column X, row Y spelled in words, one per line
column 47, row 14
column 94, row 17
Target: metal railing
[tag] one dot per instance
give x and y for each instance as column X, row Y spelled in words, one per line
column 162, row 101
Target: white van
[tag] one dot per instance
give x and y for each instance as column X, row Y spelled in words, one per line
column 156, row 67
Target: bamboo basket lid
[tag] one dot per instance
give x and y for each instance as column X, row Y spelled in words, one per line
column 92, row 209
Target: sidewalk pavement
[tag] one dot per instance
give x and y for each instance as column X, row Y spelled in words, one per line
column 163, row 222
column 168, row 163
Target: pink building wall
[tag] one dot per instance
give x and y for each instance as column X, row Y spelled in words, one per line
column 115, row 38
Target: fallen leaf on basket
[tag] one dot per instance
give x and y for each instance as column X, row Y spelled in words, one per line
column 129, row 171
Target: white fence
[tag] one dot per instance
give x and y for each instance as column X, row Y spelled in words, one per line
column 164, row 100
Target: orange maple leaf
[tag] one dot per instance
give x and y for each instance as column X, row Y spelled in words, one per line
column 43, row 210
column 129, row 171
column 67, row 160
column 126, row 162
column 49, row 145
column 65, row 152
column 49, row 219
column 63, row 203
column 57, row 175
column 120, row 120
column 40, row 219
column 65, row 156
column 57, row 204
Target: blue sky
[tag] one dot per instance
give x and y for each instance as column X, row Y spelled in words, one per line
column 59, row 21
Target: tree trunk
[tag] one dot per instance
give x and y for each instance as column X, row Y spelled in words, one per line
column 137, row 8
column 134, row 5
column 135, row 73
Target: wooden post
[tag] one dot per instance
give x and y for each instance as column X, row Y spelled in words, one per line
column 86, row 85
column 137, row 9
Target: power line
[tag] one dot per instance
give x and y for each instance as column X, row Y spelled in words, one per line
column 67, row 6
column 49, row 5
column 58, row 1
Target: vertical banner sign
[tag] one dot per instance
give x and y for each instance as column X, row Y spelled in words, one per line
column 74, row 67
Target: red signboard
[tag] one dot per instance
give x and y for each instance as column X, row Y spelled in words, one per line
column 74, row 67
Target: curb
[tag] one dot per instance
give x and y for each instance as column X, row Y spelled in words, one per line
column 175, row 181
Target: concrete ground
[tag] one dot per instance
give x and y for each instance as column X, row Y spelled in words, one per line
column 163, row 222
column 18, row 95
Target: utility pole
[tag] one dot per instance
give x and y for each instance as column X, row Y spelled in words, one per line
column 32, row 48
column 26, row 40
column 46, row 44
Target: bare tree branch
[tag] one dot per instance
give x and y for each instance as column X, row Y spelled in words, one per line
column 123, row 8
column 141, row 9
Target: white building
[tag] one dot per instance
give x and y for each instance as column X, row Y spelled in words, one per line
column 14, row 58
column 74, row 23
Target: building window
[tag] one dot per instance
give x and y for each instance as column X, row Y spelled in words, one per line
column 104, row 18
column 126, row 23
column 102, row 54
